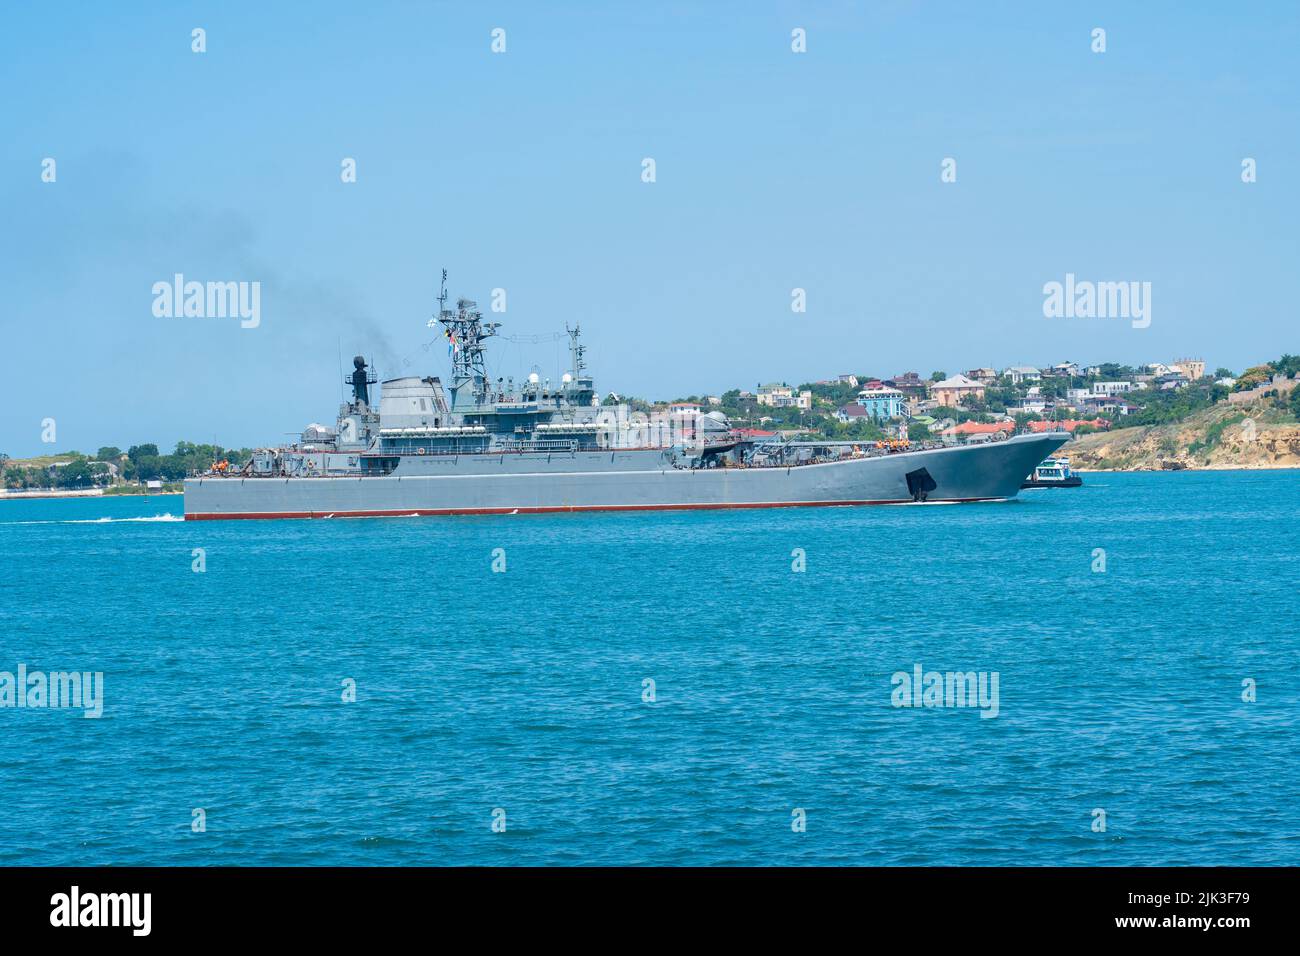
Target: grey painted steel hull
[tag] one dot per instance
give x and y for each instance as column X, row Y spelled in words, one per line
column 619, row 480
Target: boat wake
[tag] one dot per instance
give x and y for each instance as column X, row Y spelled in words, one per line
column 147, row 519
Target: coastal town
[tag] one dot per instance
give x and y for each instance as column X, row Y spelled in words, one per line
column 987, row 404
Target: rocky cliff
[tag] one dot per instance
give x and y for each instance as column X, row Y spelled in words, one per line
column 1222, row 437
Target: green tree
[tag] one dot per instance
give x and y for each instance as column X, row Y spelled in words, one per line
column 834, row 393
column 174, row 467
column 75, row 474
column 108, row 453
column 1255, row 375
column 1164, row 406
column 36, row 478
column 147, row 467
column 1287, row 365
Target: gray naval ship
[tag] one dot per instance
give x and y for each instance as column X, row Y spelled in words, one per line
column 482, row 446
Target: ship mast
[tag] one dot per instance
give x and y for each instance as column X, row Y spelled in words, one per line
column 577, row 353
column 466, row 330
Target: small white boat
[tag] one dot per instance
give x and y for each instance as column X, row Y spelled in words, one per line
column 1053, row 473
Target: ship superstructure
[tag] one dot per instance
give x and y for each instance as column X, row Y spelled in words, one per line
column 485, row 446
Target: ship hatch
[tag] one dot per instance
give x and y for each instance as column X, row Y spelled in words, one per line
column 920, row 484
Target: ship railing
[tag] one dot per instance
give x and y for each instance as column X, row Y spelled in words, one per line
column 543, row 444
column 479, row 448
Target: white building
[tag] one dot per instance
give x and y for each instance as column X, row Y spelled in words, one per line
column 1030, row 404
column 783, row 396
column 1112, row 388
column 1023, row 373
column 1110, row 403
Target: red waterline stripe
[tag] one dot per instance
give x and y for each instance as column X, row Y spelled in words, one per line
column 444, row 512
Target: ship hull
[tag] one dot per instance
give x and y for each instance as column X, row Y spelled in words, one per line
column 623, row 481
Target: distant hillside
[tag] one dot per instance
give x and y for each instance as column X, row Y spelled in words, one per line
column 1224, row 436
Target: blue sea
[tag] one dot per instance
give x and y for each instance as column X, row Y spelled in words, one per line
column 1125, row 621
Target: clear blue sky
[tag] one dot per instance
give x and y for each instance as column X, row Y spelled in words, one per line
column 522, row 171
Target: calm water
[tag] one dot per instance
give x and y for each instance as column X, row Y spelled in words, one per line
column 523, row 690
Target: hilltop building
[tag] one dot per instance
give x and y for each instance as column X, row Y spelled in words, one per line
column 1022, row 373
column 881, row 402
column 1112, row 388
column 910, row 384
column 853, row 412
column 783, row 396
column 951, row 391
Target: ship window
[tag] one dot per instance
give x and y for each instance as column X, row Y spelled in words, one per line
column 424, row 404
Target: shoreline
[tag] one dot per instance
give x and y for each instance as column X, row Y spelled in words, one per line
column 1173, row 471
column 82, row 493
